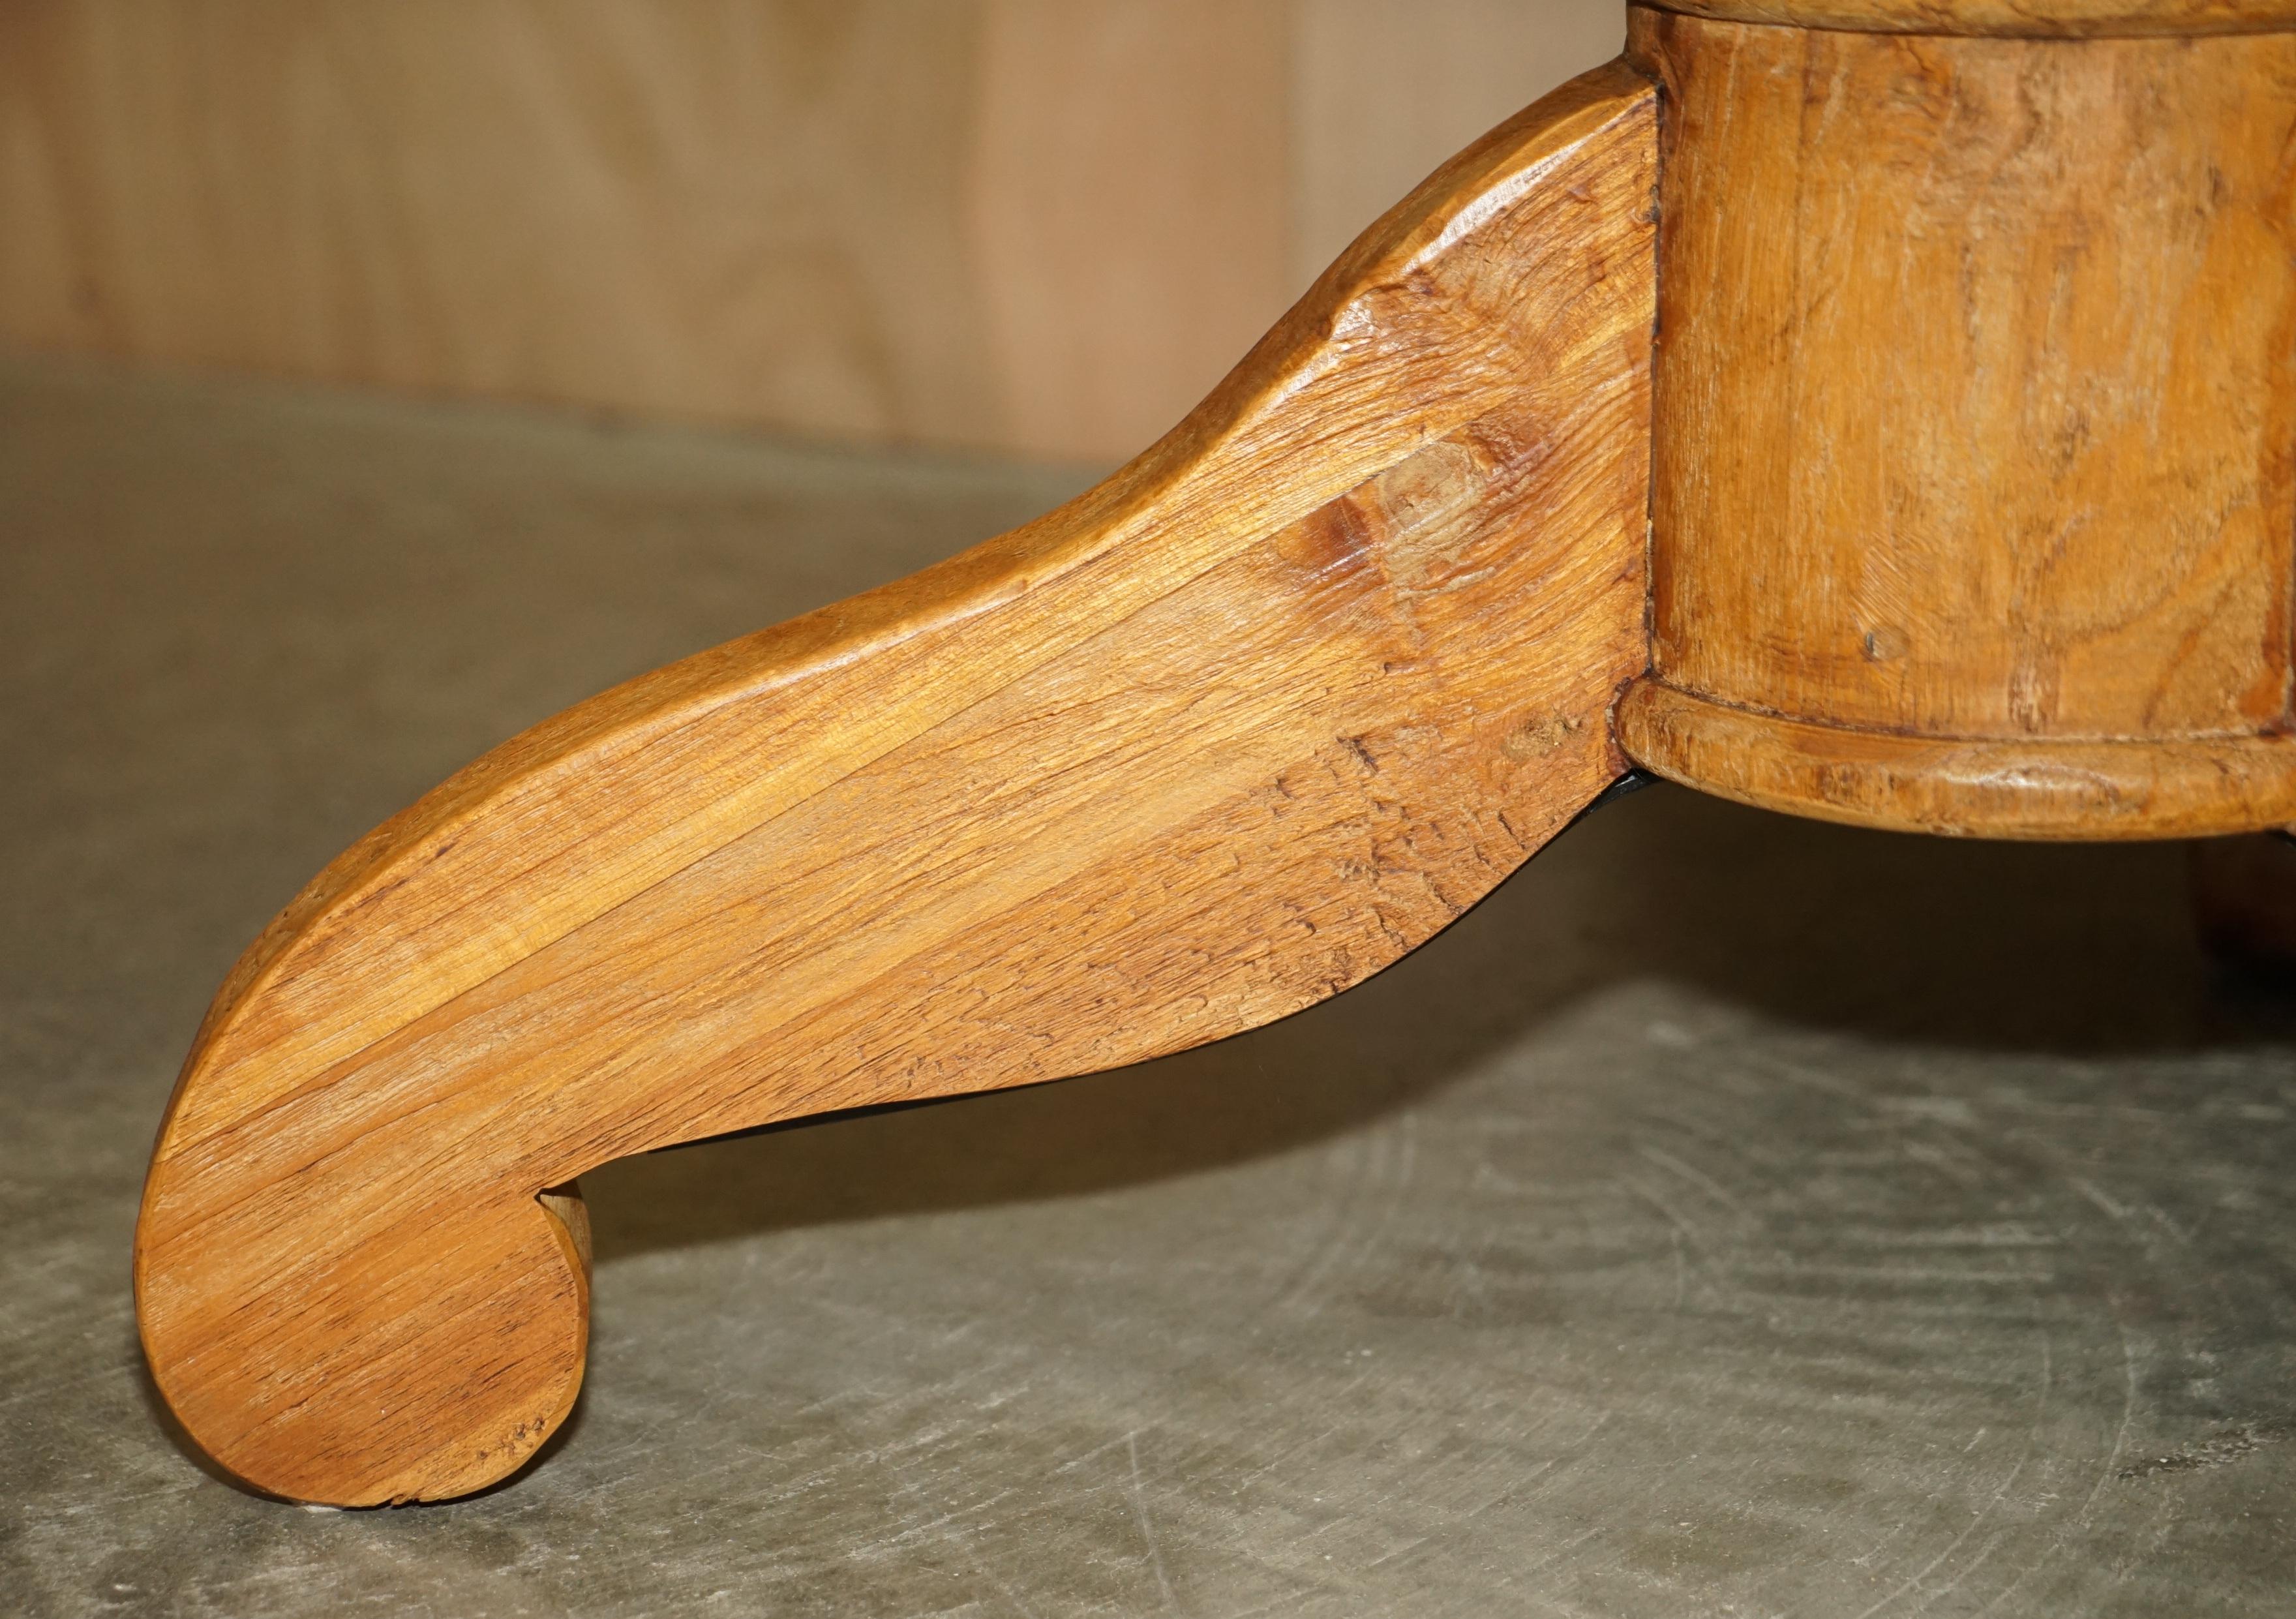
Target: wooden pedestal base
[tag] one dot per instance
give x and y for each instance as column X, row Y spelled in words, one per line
column 1974, row 470
column 1973, row 441
column 2063, row 789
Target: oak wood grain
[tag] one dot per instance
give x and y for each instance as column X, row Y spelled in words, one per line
column 1975, row 428
column 1216, row 740
column 2009, row 19
column 2050, row 789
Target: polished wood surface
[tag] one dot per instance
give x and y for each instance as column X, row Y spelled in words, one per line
column 2006, row 19
column 2056, row 790
column 1959, row 497
column 1214, row 741
column 1975, row 429
column 1047, row 226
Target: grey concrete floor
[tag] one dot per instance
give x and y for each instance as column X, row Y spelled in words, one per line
column 1732, row 1216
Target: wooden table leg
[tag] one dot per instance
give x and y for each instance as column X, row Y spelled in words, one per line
column 1216, row 740
column 1966, row 482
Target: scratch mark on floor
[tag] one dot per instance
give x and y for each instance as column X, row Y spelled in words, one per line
column 1704, row 1182
column 1148, row 1530
column 2228, row 1446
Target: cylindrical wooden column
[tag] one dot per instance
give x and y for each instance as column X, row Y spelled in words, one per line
column 1974, row 495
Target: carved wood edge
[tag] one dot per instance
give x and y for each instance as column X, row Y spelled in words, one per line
column 2056, row 789
column 2002, row 19
column 1223, row 737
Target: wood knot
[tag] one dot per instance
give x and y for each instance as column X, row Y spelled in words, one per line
column 1885, row 643
column 1538, row 736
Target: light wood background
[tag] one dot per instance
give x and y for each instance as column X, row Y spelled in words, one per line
column 1041, row 225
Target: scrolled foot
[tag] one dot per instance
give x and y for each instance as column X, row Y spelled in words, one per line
column 1214, row 741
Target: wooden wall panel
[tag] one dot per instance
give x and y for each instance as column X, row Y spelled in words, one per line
column 1046, row 226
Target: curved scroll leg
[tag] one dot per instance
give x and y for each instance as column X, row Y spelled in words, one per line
column 1216, row 740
